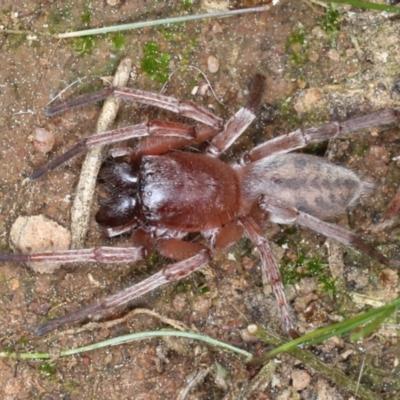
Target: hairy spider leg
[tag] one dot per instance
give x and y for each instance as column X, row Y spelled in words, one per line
column 271, row 269
column 169, row 274
column 184, row 108
column 96, row 254
column 238, row 123
column 300, row 138
column 225, row 135
column 291, row 215
column 154, row 128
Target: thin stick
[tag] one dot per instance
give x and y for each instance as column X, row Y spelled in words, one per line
column 80, row 213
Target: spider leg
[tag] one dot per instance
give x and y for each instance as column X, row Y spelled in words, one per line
column 96, row 254
column 156, row 145
column 173, row 272
column 184, row 108
column 164, row 136
column 178, row 249
column 268, row 263
column 119, row 230
column 154, row 128
column 237, row 124
column 282, row 213
column 301, row 138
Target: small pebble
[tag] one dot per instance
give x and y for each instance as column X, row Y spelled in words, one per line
column 319, row 33
column 213, row 64
column 334, row 55
column 389, row 278
column 307, row 99
column 43, row 140
column 301, row 379
column 217, row 28
column 14, row 284
column 195, row 90
column 351, row 52
column 39, row 233
column 313, row 56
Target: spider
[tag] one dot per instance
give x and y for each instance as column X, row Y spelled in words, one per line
column 162, row 195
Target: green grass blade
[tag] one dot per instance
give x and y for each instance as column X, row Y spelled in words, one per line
column 374, row 318
column 173, row 20
column 370, row 6
column 129, row 338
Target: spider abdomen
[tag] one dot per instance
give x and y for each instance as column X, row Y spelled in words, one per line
column 311, row 184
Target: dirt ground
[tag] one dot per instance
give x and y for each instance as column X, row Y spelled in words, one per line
column 316, row 71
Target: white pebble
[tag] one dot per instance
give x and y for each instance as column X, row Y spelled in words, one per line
column 213, row 64
column 39, row 233
column 43, row 140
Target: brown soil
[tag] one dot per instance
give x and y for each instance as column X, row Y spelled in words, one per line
column 312, row 78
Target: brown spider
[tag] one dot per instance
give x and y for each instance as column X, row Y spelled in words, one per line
column 162, row 195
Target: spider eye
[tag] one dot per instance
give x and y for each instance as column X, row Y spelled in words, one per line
column 120, row 211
